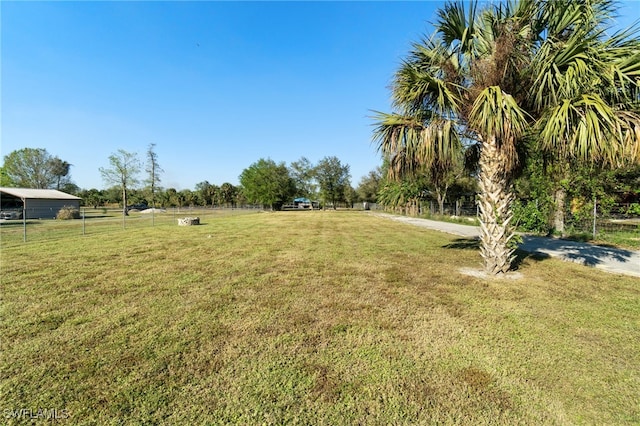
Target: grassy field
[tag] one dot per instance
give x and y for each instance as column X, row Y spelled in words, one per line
column 308, row 318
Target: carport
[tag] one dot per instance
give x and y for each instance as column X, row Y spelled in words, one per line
column 36, row 203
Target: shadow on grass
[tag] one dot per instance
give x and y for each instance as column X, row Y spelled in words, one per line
column 541, row 248
column 575, row 251
column 101, row 216
column 464, row 244
column 474, row 244
column 17, row 223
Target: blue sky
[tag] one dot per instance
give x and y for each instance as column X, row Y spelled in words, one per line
column 215, row 85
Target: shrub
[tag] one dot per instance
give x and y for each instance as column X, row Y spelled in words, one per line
column 531, row 217
column 634, row 209
column 68, row 212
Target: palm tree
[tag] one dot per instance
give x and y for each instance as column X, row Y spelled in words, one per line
column 494, row 77
column 584, row 95
column 59, row 169
column 228, row 193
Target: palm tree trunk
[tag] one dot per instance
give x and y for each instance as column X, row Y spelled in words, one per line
column 560, row 196
column 495, row 210
column 440, row 202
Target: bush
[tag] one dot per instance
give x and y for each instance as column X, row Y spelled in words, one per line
column 530, row 217
column 634, row 209
column 68, row 212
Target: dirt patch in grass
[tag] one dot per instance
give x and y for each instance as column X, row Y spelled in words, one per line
column 481, row 273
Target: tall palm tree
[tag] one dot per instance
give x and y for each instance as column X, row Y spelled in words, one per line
column 499, row 75
column 59, row 169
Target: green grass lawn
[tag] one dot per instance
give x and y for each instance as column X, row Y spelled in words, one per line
column 308, row 318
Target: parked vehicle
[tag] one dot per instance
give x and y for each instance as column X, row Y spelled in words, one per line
column 11, row 214
column 139, row 207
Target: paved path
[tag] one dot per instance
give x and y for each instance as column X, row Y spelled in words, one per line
column 614, row 260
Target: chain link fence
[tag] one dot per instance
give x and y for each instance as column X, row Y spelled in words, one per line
column 37, row 225
column 618, row 218
column 596, row 220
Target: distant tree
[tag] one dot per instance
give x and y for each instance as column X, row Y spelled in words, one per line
column 350, row 195
column 441, row 177
column 402, row 196
column 161, row 198
column 267, row 183
column 113, row 195
column 30, row 168
column 70, row 188
column 92, row 197
column 369, row 186
column 216, row 196
column 123, row 172
column 137, row 196
column 59, row 169
column 303, row 174
column 333, row 179
column 241, row 199
column 5, row 180
column 170, row 198
column 228, row 194
column 188, row 197
column 154, row 171
column 205, row 192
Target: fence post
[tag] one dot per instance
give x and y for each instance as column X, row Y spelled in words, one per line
column 595, row 214
column 83, row 223
column 24, row 222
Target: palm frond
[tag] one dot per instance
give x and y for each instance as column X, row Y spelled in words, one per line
column 496, row 114
column 565, row 69
column 629, row 124
column 589, row 129
column 415, row 144
column 454, row 26
column 416, row 89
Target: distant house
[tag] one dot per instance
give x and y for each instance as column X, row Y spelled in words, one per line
column 301, row 204
column 37, row 203
column 305, row 203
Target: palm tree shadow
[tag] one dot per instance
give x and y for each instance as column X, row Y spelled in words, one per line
column 464, row 244
column 522, row 255
column 579, row 252
column 474, row 244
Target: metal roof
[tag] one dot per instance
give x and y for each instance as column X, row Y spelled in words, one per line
column 43, row 194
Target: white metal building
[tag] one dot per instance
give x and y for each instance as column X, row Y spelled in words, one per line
column 36, row 203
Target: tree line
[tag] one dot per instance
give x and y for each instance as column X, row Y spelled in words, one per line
column 535, row 186
column 264, row 182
